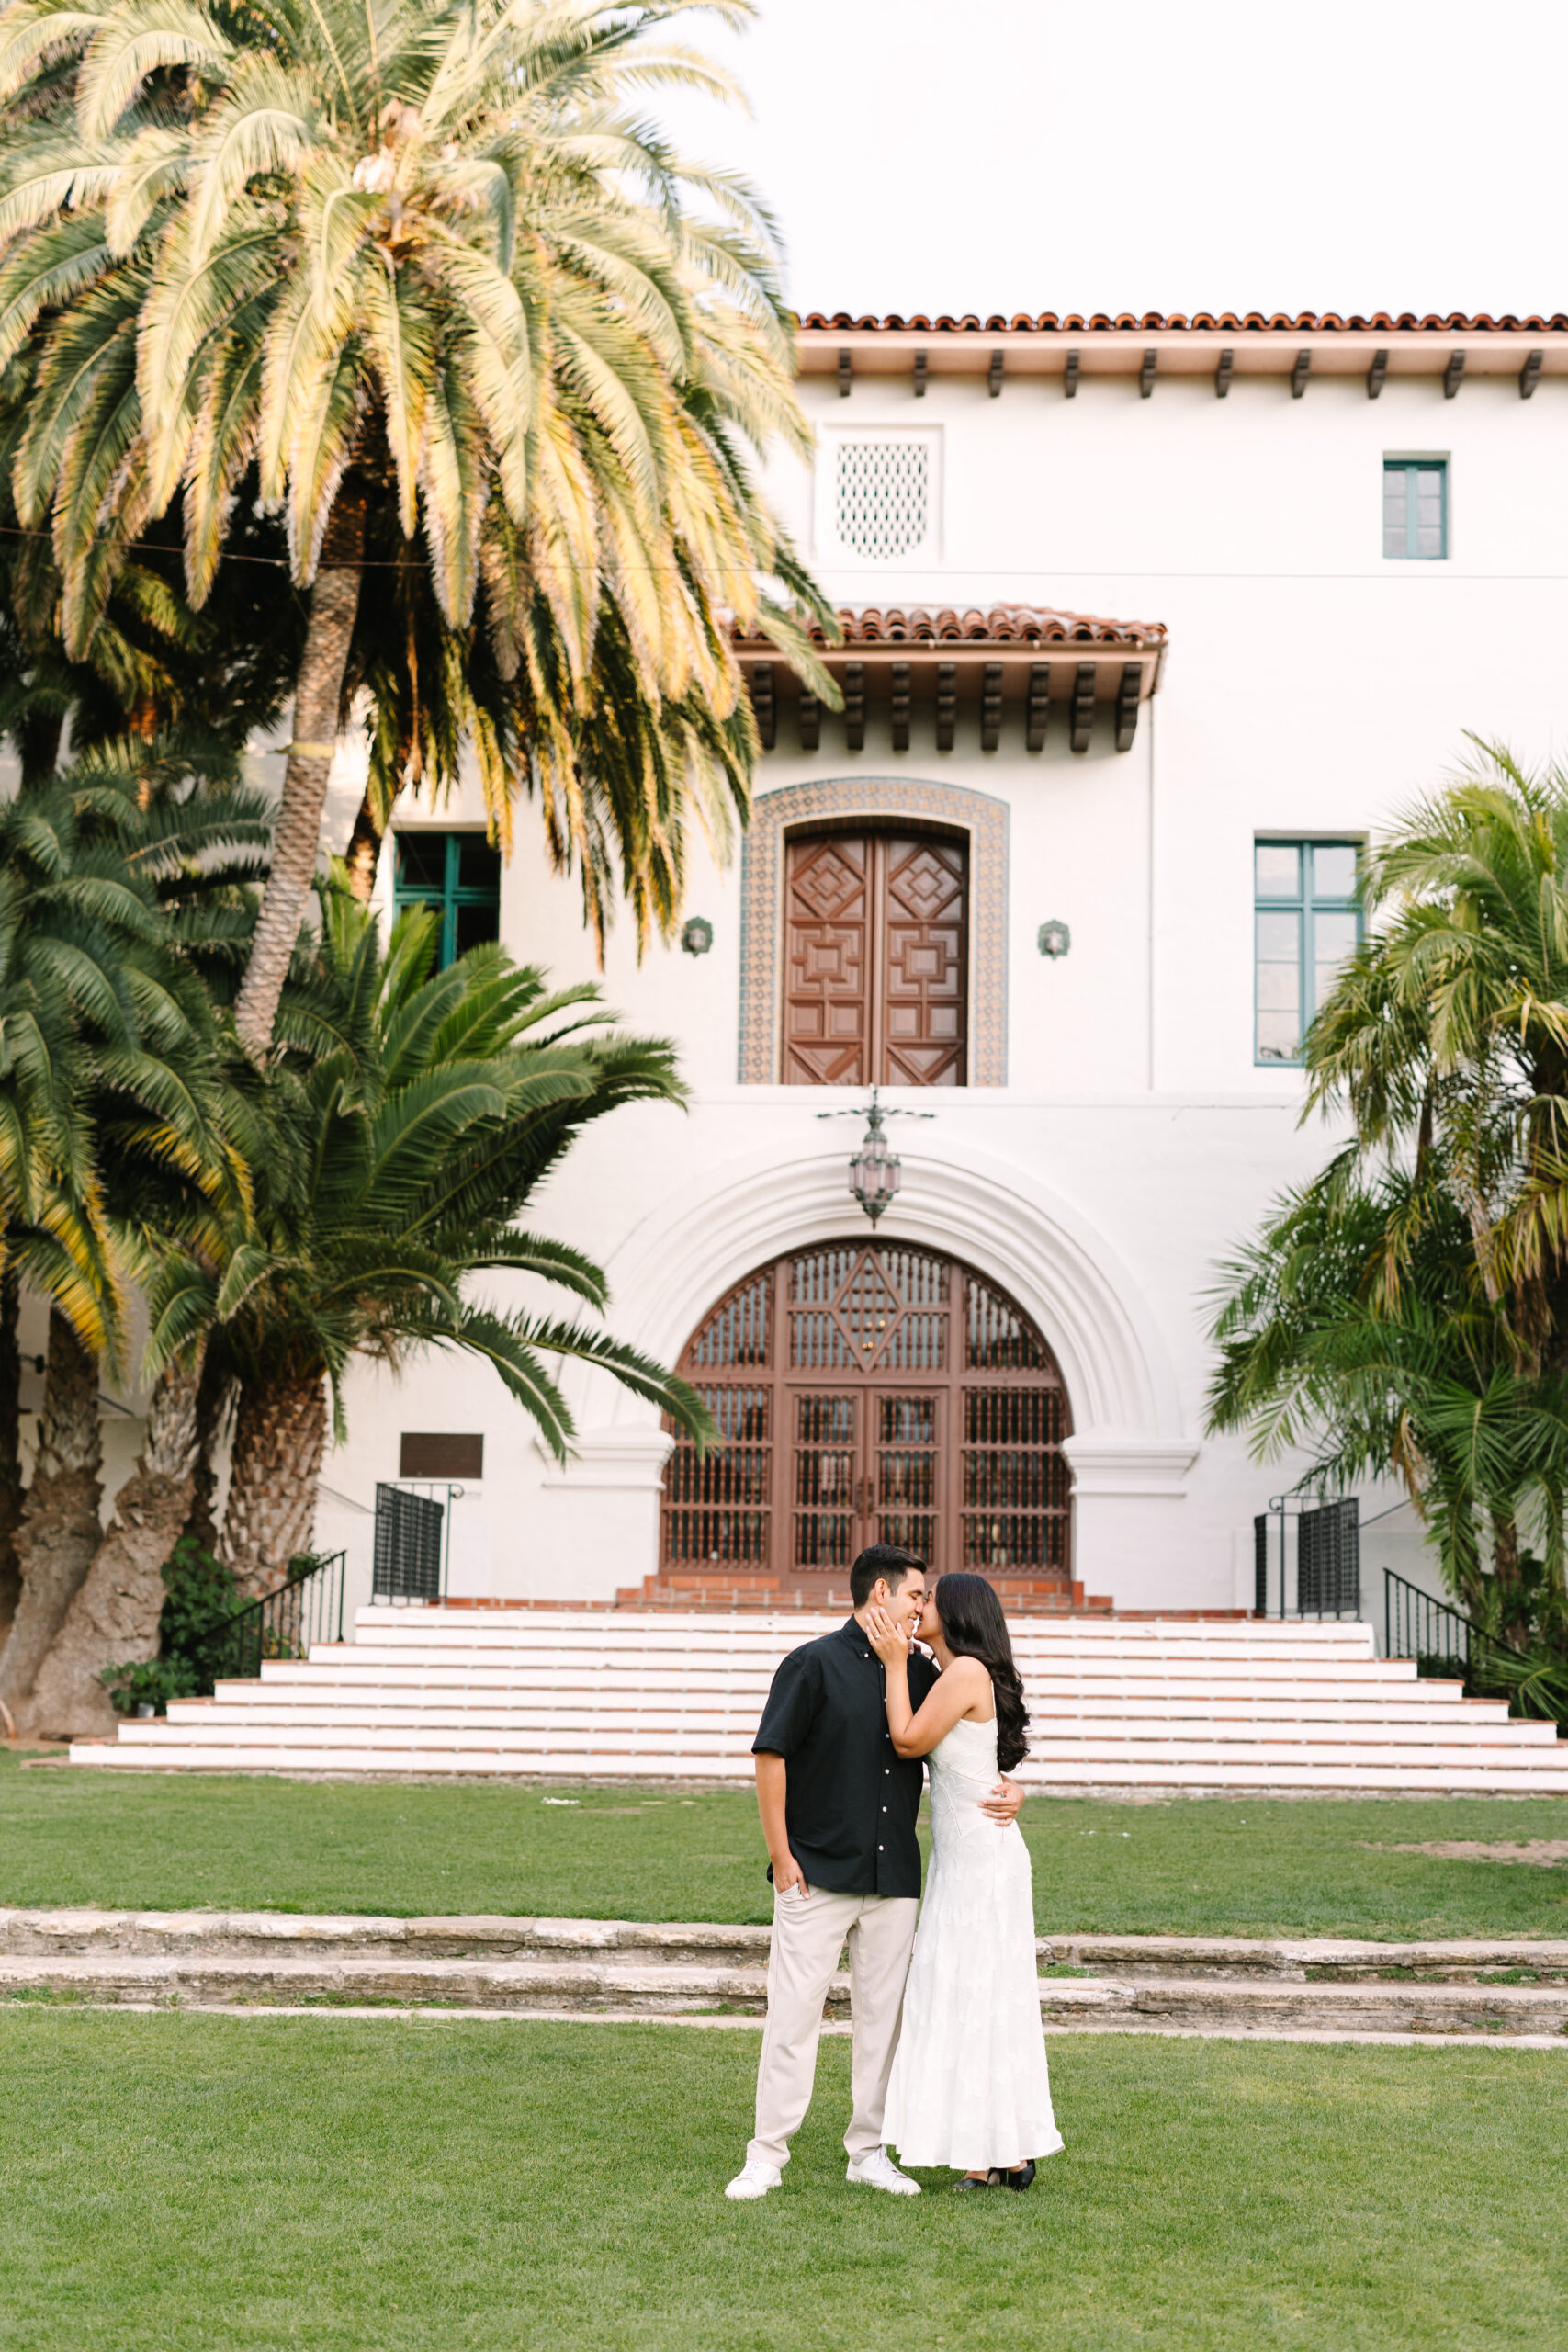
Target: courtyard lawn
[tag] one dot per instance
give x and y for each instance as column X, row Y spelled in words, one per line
column 220, row 2184
column 1311, row 1866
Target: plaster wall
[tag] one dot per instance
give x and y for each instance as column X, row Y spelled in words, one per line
column 1311, row 687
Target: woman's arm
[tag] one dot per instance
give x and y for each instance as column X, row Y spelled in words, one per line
column 951, row 1695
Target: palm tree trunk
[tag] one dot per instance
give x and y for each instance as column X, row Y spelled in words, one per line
column 212, row 1402
column 334, row 600
column 114, row 1618
column 279, row 1437
column 10, row 1450
column 61, row 1528
column 363, row 855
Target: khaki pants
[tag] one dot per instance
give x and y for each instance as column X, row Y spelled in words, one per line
column 809, row 1932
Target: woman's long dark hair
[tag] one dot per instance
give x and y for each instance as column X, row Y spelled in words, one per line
column 973, row 1626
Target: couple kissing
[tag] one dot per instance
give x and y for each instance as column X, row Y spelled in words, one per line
column 949, row 2056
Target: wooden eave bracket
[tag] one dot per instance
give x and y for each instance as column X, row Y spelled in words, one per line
column 854, row 704
column 1530, row 374
column 991, row 707
column 900, row 705
column 1006, row 687
column 764, row 704
column 1081, row 714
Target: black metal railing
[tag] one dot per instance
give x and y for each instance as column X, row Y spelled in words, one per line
column 283, row 1623
column 1307, row 1557
column 413, row 1539
column 1440, row 1640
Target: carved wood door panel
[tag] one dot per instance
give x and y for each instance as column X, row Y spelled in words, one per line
column 877, row 958
column 871, row 1393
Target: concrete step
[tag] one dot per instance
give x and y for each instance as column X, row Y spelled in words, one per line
column 558, row 1693
column 1528, row 1772
column 641, row 1979
column 70, row 1933
column 1211, row 1741
column 251, row 1710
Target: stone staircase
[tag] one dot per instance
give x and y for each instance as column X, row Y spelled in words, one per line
column 623, row 1694
column 1316, row 1988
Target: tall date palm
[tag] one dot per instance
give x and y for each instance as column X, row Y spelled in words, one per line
column 390, row 253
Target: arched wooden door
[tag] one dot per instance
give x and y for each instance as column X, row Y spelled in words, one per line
column 871, row 1393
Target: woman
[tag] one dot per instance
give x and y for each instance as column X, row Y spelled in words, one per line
column 970, row 2086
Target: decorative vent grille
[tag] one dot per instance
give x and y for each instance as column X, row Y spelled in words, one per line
column 881, row 497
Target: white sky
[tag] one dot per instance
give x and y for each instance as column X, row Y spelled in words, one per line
column 1156, row 154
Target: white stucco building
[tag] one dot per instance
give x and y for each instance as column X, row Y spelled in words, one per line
column 1315, row 552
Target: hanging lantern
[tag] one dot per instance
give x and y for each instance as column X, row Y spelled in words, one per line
column 875, row 1172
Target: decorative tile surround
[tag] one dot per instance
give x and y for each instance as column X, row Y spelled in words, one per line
column 979, row 814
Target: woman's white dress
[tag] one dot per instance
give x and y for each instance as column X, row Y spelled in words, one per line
column 970, row 2085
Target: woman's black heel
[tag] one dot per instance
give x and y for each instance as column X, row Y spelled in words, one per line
column 1020, row 2177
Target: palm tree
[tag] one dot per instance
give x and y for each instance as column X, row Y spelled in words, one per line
column 394, row 1145
column 424, row 259
column 110, row 1110
column 1447, row 1037
column 1405, row 1372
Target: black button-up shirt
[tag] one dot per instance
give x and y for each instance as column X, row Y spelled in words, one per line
column 850, row 1802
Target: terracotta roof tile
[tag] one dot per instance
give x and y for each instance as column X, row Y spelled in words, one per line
column 1221, row 322
column 1001, row 624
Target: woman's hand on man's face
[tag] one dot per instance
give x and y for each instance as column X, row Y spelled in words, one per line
column 887, row 1638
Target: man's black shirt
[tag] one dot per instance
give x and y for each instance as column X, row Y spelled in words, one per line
column 850, row 1802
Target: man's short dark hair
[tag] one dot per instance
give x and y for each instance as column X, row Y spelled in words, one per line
column 886, row 1560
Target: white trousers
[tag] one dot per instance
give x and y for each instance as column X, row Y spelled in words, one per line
column 809, row 1932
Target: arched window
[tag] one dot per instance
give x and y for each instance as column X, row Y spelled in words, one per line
column 871, row 1393
column 875, row 958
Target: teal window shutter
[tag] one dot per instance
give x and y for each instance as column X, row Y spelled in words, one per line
column 1415, row 508
column 458, row 877
column 1306, row 924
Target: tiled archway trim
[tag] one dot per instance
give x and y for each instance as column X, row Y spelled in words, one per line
column 983, row 818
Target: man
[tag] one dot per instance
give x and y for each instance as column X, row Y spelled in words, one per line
column 839, row 1810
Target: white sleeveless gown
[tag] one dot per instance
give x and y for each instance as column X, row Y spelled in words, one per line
column 970, row 2085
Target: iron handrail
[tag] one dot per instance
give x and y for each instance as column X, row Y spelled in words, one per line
column 283, row 1623
column 1428, row 1631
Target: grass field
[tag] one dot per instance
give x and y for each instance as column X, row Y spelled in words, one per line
column 220, row 2184
column 1204, row 1867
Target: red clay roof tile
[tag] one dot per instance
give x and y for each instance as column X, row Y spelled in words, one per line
column 1221, row 322
column 1001, row 624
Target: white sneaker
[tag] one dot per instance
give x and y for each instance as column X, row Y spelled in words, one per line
column 879, row 2171
column 754, row 2180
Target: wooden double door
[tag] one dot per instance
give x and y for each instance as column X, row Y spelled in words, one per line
column 869, row 1392
column 868, row 1466
column 877, row 957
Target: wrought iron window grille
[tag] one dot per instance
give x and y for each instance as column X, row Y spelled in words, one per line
column 1307, row 1556
column 412, row 1547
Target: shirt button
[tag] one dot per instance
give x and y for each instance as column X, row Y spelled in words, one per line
column 882, row 1849
column 885, row 1808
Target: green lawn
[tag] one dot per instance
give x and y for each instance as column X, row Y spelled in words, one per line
column 217, row 2185
column 1193, row 1867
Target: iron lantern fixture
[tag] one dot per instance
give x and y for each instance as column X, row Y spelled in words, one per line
column 1055, row 938
column 697, row 935
column 876, row 1170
